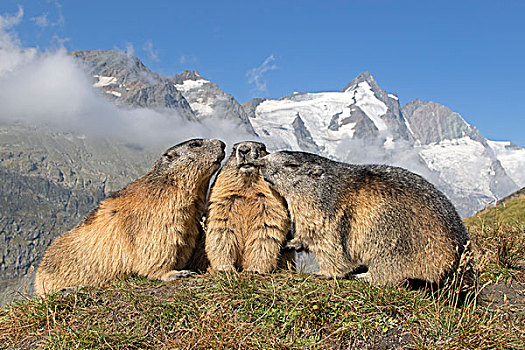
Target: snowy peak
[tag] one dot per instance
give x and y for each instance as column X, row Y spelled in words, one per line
column 325, row 121
column 363, row 77
column 127, row 81
column 186, row 75
column 207, row 100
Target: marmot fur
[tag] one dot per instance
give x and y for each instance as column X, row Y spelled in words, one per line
column 247, row 222
column 386, row 218
column 148, row 228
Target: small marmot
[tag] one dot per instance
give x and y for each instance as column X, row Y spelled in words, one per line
column 385, row 218
column 246, row 221
column 148, row 228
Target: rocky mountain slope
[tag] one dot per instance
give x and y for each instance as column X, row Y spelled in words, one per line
column 131, row 84
column 49, row 181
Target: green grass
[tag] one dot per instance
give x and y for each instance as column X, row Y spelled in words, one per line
column 278, row 311
column 510, row 212
column 286, row 310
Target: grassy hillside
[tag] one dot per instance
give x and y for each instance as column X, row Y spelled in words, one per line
column 287, row 310
column 510, row 210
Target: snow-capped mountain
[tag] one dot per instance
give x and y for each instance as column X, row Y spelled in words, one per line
column 207, row 100
column 129, row 83
column 321, row 122
column 363, row 124
column 512, row 158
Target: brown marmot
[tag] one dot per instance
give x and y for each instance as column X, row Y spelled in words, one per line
column 385, row 218
column 246, row 221
column 148, row 228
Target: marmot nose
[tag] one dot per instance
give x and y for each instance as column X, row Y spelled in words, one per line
column 244, row 151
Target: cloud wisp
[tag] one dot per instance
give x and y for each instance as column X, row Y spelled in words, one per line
column 44, row 21
column 186, row 59
column 153, row 54
column 8, row 21
column 256, row 75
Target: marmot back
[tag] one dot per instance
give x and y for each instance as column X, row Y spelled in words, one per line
column 247, row 221
column 148, row 228
column 386, row 218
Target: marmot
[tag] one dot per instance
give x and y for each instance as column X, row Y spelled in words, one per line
column 385, row 218
column 247, row 221
column 148, row 228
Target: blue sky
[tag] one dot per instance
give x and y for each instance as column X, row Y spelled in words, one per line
column 467, row 55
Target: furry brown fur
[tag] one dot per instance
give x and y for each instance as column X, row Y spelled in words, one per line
column 247, row 222
column 148, row 228
column 385, row 218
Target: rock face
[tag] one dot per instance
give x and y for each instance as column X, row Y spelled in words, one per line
column 131, row 84
column 303, row 136
column 431, row 122
column 207, row 100
column 49, row 181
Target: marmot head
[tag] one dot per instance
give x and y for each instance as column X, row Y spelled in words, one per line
column 196, row 158
column 245, row 156
column 296, row 174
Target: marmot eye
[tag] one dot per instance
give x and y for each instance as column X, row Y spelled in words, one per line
column 195, row 143
column 292, row 165
column 168, row 155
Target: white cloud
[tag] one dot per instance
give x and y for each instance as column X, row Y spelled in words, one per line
column 51, row 88
column 7, row 21
column 11, row 52
column 43, row 20
column 130, row 49
column 153, row 54
column 256, row 75
column 184, row 59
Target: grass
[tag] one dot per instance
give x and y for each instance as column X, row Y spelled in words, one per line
column 280, row 311
column 511, row 212
column 285, row 310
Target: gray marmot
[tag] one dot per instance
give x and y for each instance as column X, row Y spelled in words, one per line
column 386, row 218
column 148, row 228
column 246, row 221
